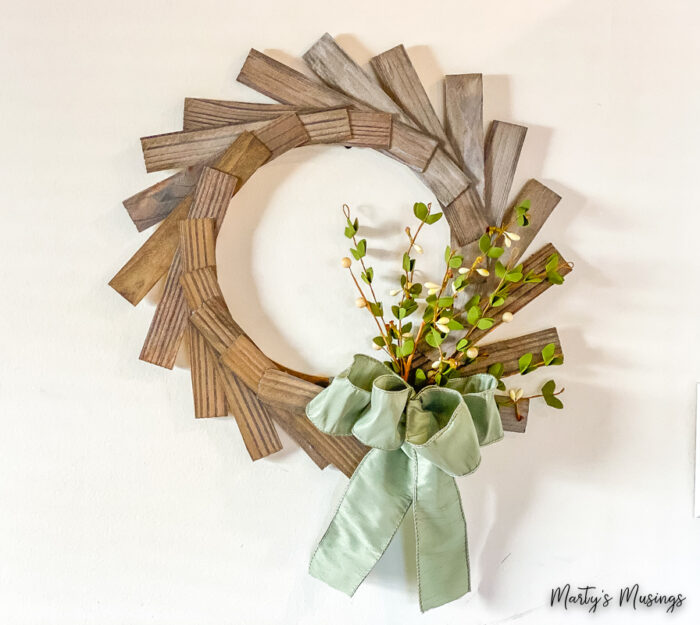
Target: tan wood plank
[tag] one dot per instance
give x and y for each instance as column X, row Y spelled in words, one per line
column 200, row 285
column 282, row 83
column 247, row 361
column 329, row 126
column 282, row 134
column 508, row 351
column 501, row 154
column 400, row 80
column 151, row 261
column 374, row 129
column 207, row 388
column 216, row 325
column 155, row 203
column 464, row 124
column 198, row 243
column 211, row 199
column 205, row 113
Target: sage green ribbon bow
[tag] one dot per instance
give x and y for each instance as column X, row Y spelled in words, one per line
column 420, row 442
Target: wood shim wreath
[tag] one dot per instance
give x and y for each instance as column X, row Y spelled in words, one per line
column 220, row 147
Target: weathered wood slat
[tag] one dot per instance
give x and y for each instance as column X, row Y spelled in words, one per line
column 464, row 124
column 155, row 203
column 205, row 113
column 246, row 360
column 467, row 221
column 253, row 419
column 501, row 153
column 373, row 129
column 151, row 261
column 197, row 243
column 400, row 80
column 522, row 294
column 167, row 329
column 200, row 285
column 207, row 388
column 216, row 325
column 509, row 350
column 283, row 390
column 286, row 85
column 510, row 422
column 542, row 202
column 330, row 126
column 140, row 273
column 282, row 134
column 297, row 426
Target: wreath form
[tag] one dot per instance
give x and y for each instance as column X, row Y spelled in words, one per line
column 223, row 143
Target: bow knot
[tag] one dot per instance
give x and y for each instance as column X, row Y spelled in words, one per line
column 420, row 441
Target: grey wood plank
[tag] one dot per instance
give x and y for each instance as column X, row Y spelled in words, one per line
column 464, row 121
column 205, row 113
column 399, row 78
column 503, row 144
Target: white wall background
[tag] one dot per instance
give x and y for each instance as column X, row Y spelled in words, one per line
column 117, row 507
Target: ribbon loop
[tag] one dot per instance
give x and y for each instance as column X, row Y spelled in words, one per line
column 420, row 440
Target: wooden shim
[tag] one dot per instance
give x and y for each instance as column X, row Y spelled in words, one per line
column 184, row 148
column 330, row 126
column 373, row 129
column 153, row 258
column 542, row 202
column 140, row 273
column 216, row 325
column 211, row 199
column 444, row 178
column 400, row 80
column 247, row 361
column 282, row 83
column 464, row 121
column 509, row 350
column 283, row 390
column 257, row 430
column 510, row 422
column 197, row 243
column 503, row 144
column 155, row 203
column 282, row 134
column 207, row 389
column 467, row 222
column 522, row 294
column 199, row 286
column 297, row 426
column 169, row 321
column 204, row 113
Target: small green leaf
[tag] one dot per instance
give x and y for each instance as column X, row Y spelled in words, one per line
column 558, row 360
column 453, row 324
column 485, row 323
column 431, row 219
column 500, row 269
column 368, row 275
column 462, row 344
column 379, row 340
column 496, row 370
column 456, row 261
column 548, row 353
column 406, row 262
column 555, row 278
column 419, row 378
column 497, row 301
column 524, row 362
column 406, row 348
column 445, row 302
column 554, row 402
column 473, row 315
column 434, row 338
column 485, row 243
column 473, row 301
column 548, row 388
column 402, row 312
column 552, row 263
column 350, row 232
column 407, row 327
column 362, row 248
column 415, row 289
column 420, row 210
column 376, row 309
column 448, row 253
column 495, row 252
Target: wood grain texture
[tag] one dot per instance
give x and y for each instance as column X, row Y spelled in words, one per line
column 199, row 286
column 522, row 294
column 252, row 417
column 207, row 388
column 205, row 113
column 247, row 361
column 445, row 178
column 211, row 199
column 197, row 244
column 329, row 126
column 155, row 203
column 297, row 427
column 542, row 202
column 282, row 134
column 464, row 124
column 373, row 129
column 501, row 153
column 400, row 80
column 510, row 422
column 282, row 83
column 467, row 221
column 509, row 350
column 283, row 390
column 216, row 325
column 150, row 262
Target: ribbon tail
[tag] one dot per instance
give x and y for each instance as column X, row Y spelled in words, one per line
column 441, row 537
column 375, row 502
